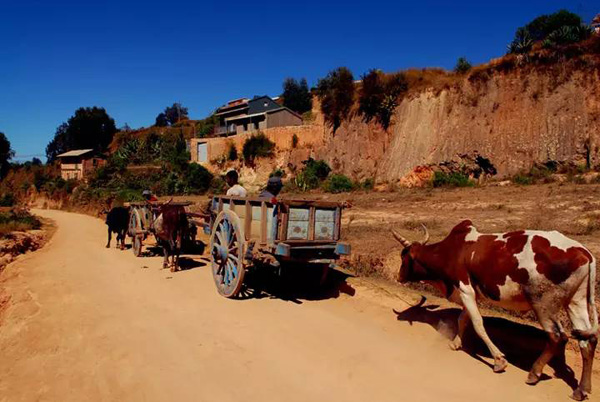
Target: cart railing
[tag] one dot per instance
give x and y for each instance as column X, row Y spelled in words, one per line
column 287, row 220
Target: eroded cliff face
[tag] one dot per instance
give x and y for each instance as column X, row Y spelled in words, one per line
column 514, row 119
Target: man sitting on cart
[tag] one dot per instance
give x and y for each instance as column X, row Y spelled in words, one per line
column 274, row 186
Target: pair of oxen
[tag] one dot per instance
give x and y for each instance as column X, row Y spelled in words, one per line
column 170, row 228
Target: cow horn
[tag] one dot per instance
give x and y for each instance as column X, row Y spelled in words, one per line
column 421, row 302
column 401, row 240
column 426, row 239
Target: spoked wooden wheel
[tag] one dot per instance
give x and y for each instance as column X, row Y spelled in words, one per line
column 135, row 231
column 227, row 247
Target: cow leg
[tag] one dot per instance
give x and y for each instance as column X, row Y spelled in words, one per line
column 463, row 321
column 173, row 255
column 579, row 316
column 467, row 296
column 123, row 237
column 166, row 255
column 556, row 341
column 109, row 238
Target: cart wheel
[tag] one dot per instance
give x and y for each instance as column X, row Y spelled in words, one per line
column 135, row 226
column 137, row 246
column 227, row 247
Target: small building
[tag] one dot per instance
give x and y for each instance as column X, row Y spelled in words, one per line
column 259, row 113
column 79, row 163
column 596, row 24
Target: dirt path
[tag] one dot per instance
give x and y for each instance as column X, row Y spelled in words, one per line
column 87, row 323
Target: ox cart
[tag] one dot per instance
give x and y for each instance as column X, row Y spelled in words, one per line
column 142, row 219
column 249, row 233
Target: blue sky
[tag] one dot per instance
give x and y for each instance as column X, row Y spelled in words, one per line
column 134, row 58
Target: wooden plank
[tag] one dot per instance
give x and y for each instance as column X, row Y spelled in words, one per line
column 311, row 223
column 248, row 221
column 263, row 223
column 283, row 222
column 338, row 223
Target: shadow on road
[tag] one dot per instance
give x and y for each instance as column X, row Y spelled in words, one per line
column 295, row 284
column 521, row 343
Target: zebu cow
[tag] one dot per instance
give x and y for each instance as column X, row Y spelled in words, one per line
column 521, row 270
column 170, row 227
column 117, row 220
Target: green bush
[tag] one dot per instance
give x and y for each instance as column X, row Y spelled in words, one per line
column 462, row 65
column 338, row 183
column 442, row 179
column 367, row 184
column 258, row 146
column 534, row 175
column 522, row 179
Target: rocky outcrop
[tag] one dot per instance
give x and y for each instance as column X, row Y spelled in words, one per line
column 17, row 243
column 514, row 118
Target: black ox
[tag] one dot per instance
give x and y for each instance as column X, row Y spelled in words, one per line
column 117, row 220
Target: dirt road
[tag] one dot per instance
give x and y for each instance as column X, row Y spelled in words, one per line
column 86, row 323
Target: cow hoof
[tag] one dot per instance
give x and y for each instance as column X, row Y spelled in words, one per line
column 108, row 246
column 500, row 364
column 532, row 379
column 455, row 344
column 579, row 395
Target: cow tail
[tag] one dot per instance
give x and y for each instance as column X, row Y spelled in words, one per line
column 592, row 310
column 592, row 297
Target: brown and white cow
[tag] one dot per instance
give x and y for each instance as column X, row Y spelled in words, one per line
column 521, row 270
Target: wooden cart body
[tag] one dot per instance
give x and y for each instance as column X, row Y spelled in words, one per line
column 246, row 231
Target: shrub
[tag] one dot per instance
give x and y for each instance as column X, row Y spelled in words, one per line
column 378, row 96
column 338, row 183
column 232, row 153
column 312, row 174
column 536, row 174
column 17, row 220
column 294, row 141
column 367, row 184
column 454, row 179
column 462, row 65
column 336, row 92
column 7, row 200
column 258, row 146
column 522, row 179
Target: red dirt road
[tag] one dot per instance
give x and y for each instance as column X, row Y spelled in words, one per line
column 81, row 322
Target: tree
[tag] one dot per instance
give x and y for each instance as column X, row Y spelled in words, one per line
column 462, row 65
column 171, row 115
column 559, row 28
column 161, row 120
column 379, row 95
column 336, row 92
column 296, row 95
column 88, row 128
column 6, row 154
